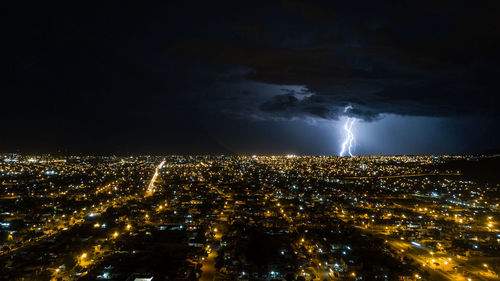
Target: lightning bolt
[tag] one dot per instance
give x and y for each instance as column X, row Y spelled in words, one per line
column 347, row 144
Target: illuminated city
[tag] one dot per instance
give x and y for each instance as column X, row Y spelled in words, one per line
column 249, row 218
column 285, row 140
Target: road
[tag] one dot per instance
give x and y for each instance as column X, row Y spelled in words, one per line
column 443, row 271
column 151, row 187
column 417, row 255
column 405, row 176
column 208, row 267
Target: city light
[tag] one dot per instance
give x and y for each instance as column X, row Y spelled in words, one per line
column 299, row 203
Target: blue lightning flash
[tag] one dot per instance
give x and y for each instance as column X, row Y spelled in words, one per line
column 347, row 144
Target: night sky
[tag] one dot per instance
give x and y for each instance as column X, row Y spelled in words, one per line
column 270, row 77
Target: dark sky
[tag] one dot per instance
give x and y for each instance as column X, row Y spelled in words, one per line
column 251, row 77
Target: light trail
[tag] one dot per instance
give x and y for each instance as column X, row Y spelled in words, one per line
column 347, row 144
column 151, row 187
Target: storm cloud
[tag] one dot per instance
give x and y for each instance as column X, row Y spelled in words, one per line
column 406, row 59
column 77, row 74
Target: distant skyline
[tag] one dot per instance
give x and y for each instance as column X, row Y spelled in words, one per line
column 270, row 77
